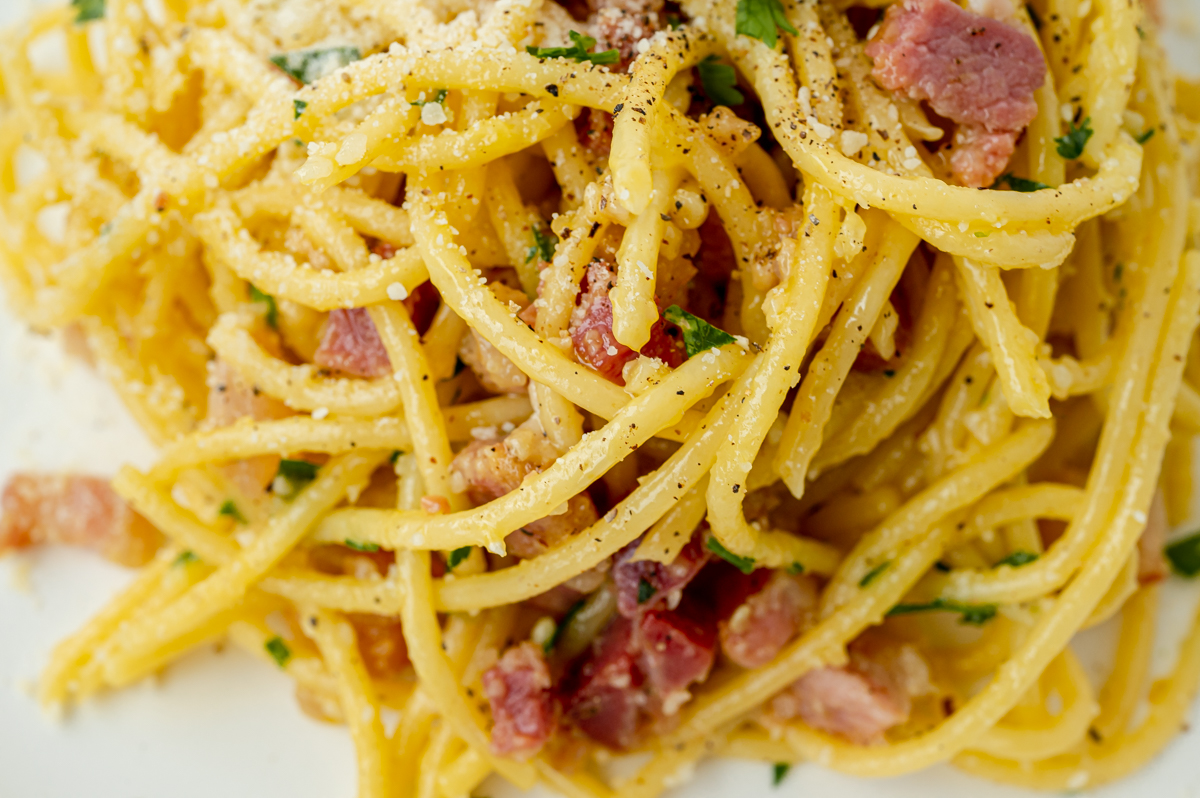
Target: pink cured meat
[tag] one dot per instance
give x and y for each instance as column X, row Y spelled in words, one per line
column 73, row 511
column 605, row 698
column 351, row 344
column 592, row 334
column 523, row 709
column 764, row 623
column 663, row 580
column 977, row 71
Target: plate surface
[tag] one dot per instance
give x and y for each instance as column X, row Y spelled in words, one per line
column 220, row 723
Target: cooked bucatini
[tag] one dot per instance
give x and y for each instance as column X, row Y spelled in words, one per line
column 783, row 379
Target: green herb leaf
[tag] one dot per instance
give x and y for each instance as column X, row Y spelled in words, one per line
column 298, row 107
column 982, row 234
column 1184, row 555
column 743, row 564
column 230, row 509
column 394, row 456
column 367, row 547
column 457, row 556
column 1018, row 558
column 889, row 373
column 552, row 641
column 1071, row 145
column 698, row 335
column 762, row 20
column 272, row 313
column 795, row 568
column 646, row 591
column 88, row 10
column 278, row 651
column 439, row 97
column 779, row 772
column 186, row 557
column 297, row 473
column 307, row 66
column 577, row 51
column 544, row 245
column 974, row 614
column 1019, row 183
column 1118, row 270
column 719, row 81
column 874, row 572
column 1145, row 136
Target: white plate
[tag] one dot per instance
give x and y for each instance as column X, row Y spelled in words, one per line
column 220, row 723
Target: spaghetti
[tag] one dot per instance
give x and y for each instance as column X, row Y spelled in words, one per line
column 782, row 379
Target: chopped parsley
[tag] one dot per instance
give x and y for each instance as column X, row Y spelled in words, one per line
column 544, row 245
column 762, row 20
column 795, row 568
column 1118, row 270
column 306, row 66
column 577, row 51
column 646, row 591
column 278, row 651
column 719, row 82
column 1184, row 555
column 1142, row 138
column 394, row 456
column 297, row 473
column 982, row 234
column 698, row 335
column 457, row 556
column 973, row 614
column 1019, row 183
column 743, row 564
column 874, row 572
column 272, row 310
column 228, row 508
column 552, row 640
column 298, row 107
column 186, row 557
column 439, row 97
column 1018, row 558
column 779, row 772
column 1071, row 145
column 88, row 10
column 367, row 547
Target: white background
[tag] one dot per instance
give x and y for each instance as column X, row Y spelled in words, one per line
column 221, row 724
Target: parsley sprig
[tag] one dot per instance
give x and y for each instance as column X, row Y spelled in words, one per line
column 306, row 66
column 719, row 82
column 271, row 313
column 698, row 335
column 1071, row 145
column 544, row 245
column 457, row 556
column 1184, row 555
column 88, row 10
column 743, row 564
column 973, row 614
column 762, row 20
column 1020, row 183
column 278, row 650
column 577, row 51
column 1018, row 558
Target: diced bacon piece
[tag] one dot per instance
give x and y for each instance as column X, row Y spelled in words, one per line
column 678, row 647
column 617, row 27
column 381, row 643
column 495, row 371
column 665, row 582
column 632, row 6
column 763, row 624
column 860, row 700
column 715, row 262
column 351, row 344
column 231, row 397
column 422, row 305
column 74, row 510
column 972, row 69
column 604, row 696
column 491, row 469
column 594, row 130
column 1152, row 563
column 523, row 710
column 592, row 334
